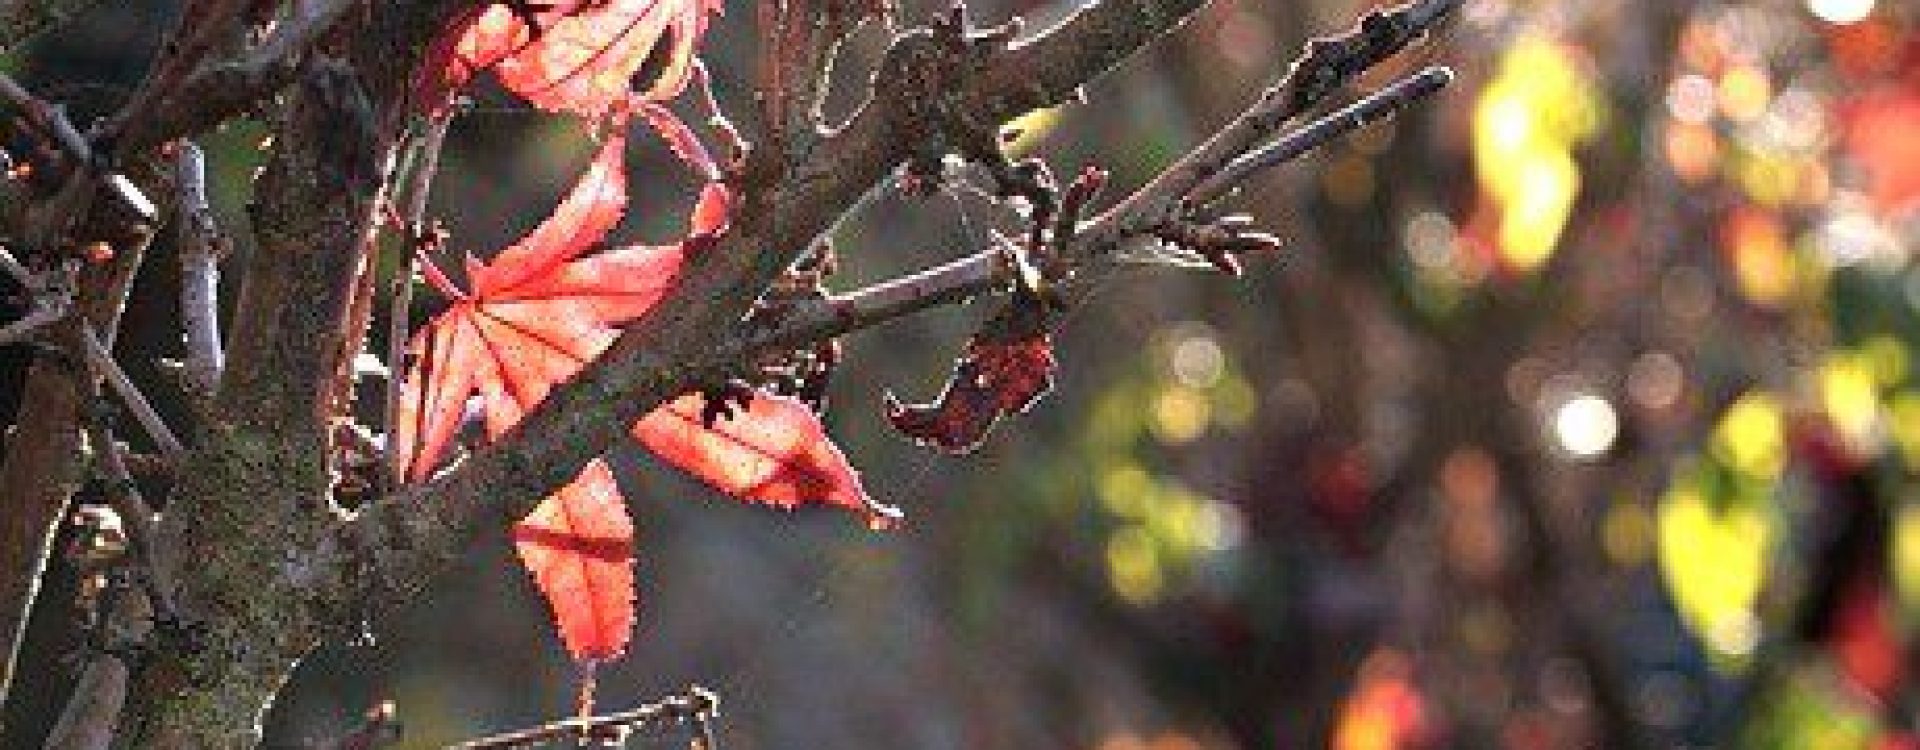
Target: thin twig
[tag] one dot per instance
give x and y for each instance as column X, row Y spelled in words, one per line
column 36, row 318
column 1327, row 65
column 16, row 270
column 199, row 273
column 52, row 123
column 101, row 360
column 698, row 705
column 172, row 103
column 1396, row 96
column 124, row 496
column 426, row 166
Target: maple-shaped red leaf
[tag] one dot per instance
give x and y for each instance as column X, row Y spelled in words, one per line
column 535, row 314
column 991, row 380
column 575, row 56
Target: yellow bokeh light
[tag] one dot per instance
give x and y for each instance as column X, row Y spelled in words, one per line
column 1848, row 394
column 1180, row 414
column 1906, row 554
column 1771, row 179
column 1124, row 490
column 1751, row 437
column 1886, row 357
column 1745, row 92
column 1763, row 264
column 1903, row 426
column 1527, row 123
column 1133, row 565
column 1234, row 403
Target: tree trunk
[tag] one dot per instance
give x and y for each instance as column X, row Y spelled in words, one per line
column 257, row 585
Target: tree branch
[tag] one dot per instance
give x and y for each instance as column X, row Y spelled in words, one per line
column 696, row 706
column 43, row 466
column 408, row 537
column 426, row 166
column 101, row 362
column 213, row 94
column 200, row 250
column 87, row 722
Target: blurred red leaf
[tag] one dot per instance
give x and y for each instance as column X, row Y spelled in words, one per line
column 581, row 58
column 1866, row 641
column 1881, row 131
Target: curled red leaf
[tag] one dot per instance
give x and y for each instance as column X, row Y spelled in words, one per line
column 991, row 380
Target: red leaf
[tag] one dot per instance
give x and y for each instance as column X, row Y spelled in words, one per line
column 992, row 379
column 583, row 57
column 578, row 545
column 776, row 453
column 536, row 314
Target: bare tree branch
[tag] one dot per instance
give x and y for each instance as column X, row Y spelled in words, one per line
column 52, row 124
column 426, row 166
column 412, row 535
column 103, row 366
column 684, row 342
column 696, row 706
column 37, row 318
column 43, row 463
column 200, row 250
column 217, row 92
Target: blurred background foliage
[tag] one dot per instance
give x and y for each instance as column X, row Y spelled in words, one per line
column 1582, row 411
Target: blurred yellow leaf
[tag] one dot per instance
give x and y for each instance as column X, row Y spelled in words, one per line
column 1751, row 437
column 1848, row 394
column 1714, row 564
